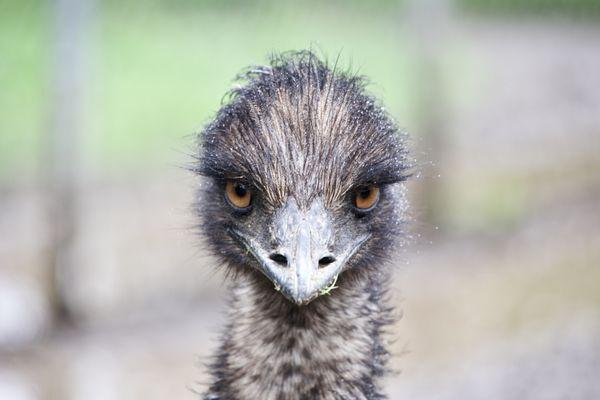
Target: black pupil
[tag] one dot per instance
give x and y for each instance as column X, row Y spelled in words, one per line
column 240, row 190
column 365, row 193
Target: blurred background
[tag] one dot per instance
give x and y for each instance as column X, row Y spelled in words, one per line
column 106, row 292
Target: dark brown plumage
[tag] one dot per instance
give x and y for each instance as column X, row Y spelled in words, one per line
column 289, row 163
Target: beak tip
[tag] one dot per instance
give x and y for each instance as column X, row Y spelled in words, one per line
column 299, row 299
column 301, row 302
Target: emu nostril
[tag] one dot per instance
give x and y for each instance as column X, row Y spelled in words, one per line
column 326, row 261
column 279, row 259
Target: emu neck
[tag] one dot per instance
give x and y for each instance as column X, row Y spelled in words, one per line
column 329, row 349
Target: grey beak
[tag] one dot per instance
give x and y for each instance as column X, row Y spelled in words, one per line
column 301, row 266
column 309, row 266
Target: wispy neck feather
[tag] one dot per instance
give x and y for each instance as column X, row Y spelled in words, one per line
column 330, row 349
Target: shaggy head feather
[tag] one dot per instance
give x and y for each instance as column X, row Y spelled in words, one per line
column 299, row 130
column 303, row 139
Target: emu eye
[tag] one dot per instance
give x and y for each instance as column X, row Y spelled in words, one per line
column 366, row 198
column 238, row 194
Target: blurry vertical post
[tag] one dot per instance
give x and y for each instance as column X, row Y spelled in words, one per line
column 64, row 149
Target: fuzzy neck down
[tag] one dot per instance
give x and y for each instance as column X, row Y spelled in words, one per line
column 329, row 349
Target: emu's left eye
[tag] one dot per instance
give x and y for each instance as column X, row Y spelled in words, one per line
column 238, row 194
column 366, row 198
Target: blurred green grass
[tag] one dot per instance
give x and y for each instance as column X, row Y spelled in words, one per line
column 159, row 70
column 586, row 9
column 24, row 84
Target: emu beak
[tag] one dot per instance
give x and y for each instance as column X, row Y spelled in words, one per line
column 301, row 266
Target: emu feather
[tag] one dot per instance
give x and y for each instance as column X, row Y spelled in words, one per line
column 308, row 309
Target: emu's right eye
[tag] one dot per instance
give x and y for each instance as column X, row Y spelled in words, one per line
column 238, row 194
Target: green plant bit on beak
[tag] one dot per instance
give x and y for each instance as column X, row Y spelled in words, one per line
column 327, row 290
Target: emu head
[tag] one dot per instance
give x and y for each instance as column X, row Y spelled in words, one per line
column 303, row 176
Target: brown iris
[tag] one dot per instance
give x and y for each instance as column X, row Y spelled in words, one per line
column 366, row 197
column 238, row 194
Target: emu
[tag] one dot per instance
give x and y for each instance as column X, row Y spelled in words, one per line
column 303, row 203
